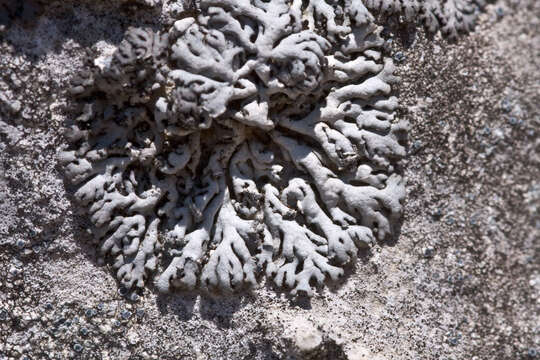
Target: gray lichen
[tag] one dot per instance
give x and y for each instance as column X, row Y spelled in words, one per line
column 255, row 138
column 451, row 17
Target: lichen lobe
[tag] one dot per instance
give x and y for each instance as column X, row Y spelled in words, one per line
column 253, row 140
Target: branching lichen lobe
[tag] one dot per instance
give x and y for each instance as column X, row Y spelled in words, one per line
column 256, row 138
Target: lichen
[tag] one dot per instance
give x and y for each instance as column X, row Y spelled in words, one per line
column 252, row 140
column 451, row 17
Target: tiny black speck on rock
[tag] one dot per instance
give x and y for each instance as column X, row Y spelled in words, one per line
column 125, row 314
column 122, row 291
column 428, row 252
column 399, row 57
column 506, row 106
column 77, row 347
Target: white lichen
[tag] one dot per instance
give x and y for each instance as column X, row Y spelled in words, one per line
column 257, row 138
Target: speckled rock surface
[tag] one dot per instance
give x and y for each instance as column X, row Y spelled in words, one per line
column 462, row 281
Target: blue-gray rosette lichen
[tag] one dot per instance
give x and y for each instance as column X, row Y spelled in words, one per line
column 254, row 139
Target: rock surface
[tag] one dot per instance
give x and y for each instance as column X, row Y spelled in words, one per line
column 462, row 281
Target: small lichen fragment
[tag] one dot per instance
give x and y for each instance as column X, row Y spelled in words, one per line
column 255, row 139
column 451, row 17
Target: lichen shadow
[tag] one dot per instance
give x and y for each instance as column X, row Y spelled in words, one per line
column 180, row 304
column 218, row 308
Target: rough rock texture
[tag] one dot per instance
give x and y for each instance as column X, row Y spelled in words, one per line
column 461, row 281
